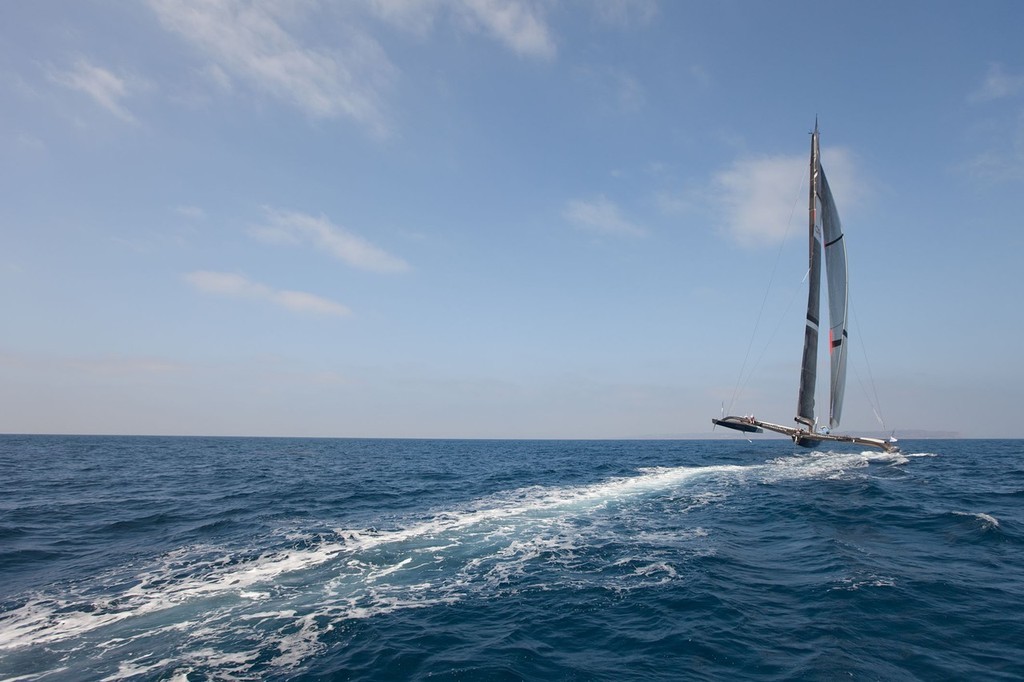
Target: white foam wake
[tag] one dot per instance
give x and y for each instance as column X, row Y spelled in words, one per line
column 287, row 598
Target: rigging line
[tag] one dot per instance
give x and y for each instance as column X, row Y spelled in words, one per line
column 778, row 326
column 753, row 335
column 740, row 382
column 867, row 396
column 876, row 406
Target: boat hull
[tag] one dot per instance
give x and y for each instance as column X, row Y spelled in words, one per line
column 806, row 442
column 739, row 424
column 803, row 437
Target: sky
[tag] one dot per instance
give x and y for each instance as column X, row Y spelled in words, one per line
column 501, row 218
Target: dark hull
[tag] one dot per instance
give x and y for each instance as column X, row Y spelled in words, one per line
column 739, row 424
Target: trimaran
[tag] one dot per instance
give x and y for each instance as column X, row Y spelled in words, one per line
column 825, row 234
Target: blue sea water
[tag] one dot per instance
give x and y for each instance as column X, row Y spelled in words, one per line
column 301, row 559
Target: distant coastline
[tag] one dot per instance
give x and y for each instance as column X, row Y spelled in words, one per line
column 908, row 434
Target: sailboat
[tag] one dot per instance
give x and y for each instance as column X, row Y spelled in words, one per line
column 825, row 237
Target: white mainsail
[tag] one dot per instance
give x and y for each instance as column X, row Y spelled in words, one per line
column 838, row 298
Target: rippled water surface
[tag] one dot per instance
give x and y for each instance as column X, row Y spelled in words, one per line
column 249, row 558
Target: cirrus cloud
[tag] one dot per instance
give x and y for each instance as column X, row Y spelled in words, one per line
column 998, row 85
column 253, row 42
column 518, row 24
column 602, row 216
column 105, row 87
column 263, row 44
column 999, row 135
column 293, row 227
column 238, row 286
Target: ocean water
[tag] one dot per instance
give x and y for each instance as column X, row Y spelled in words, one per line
column 301, row 559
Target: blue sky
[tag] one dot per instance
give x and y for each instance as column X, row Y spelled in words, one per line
column 500, row 218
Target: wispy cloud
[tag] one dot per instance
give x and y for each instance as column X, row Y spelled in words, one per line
column 255, row 43
column 1004, row 160
column 629, row 92
column 758, row 198
column 293, row 227
column 190, row 212
column 1000, row 133
column 700, row 74
column 519, row 25
column 104, row 87
column 415, row 16
column 601, row 216
column 614, row 88
column 625, row 13
column 676, row 202
column 263, row 44
column 238, row 286
column 998, row 85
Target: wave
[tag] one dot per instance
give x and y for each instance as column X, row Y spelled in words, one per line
column 140, row 524
column 987, row 521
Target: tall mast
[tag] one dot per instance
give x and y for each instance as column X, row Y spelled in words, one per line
column 808, row 371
